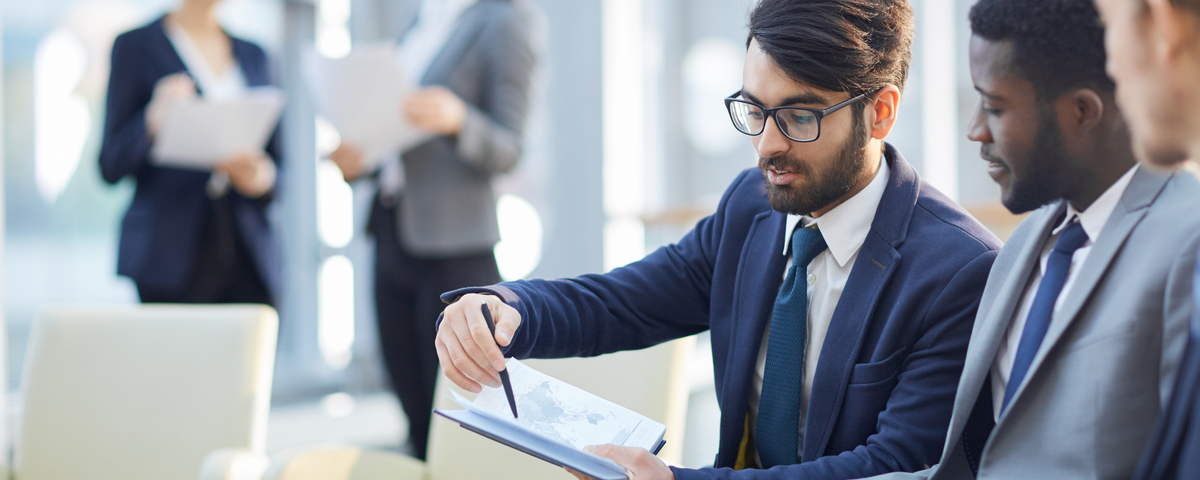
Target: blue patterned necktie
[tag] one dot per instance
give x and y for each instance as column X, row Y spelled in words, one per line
column 1058, row 267
column 777, row 428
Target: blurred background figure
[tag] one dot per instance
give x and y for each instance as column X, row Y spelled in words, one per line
column 188, row 236
column 434, row 217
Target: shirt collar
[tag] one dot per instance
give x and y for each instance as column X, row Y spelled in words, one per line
column 845, row 227
column 1096, row 215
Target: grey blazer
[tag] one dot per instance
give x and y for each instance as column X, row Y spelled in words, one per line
column 447, row 206
column 1088, row 404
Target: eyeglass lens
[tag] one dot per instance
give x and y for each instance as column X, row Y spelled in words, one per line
column 799, row 125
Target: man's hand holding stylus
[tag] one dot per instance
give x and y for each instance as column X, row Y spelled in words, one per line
column 470, row 355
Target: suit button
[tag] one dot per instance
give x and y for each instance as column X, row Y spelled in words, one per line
column 812, row 278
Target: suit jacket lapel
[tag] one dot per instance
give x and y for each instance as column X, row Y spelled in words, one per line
column 877, row 260
column 468, row 29
column 1143, row 188
column 754, row 295
column 992, row 320
column 256, row 74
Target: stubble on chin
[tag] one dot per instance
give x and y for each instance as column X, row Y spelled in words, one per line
column 819, row 187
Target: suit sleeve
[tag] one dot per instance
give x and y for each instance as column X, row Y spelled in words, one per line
column 125, row 149
column 659, row 298
column 491, row 134
column 921, row 475
column 912, row 429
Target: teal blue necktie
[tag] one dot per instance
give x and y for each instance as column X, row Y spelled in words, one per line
column 777, row 431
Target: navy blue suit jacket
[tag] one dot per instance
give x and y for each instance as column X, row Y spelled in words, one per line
column 886, row 379
column 1173, row 451
column 161, row 229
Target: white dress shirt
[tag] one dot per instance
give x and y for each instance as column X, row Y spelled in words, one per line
column 844, row 229
column 229, row 85
column 1092, row 219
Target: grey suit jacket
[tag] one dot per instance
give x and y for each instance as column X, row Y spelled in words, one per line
column 1088, row 404
column 447, row 206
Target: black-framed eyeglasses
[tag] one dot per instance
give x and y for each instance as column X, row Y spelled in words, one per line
column 799, row 124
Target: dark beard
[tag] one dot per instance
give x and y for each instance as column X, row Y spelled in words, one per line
column 823, row 187
column 1047, row 176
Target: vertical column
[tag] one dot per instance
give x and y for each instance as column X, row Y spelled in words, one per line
column 298, row 206
column 4, row 440
column 624, row 107
column 939, row 93
column 574, row 215
column 335, row 213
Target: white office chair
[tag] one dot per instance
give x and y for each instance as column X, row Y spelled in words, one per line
column 650, row 382
column 145, row 392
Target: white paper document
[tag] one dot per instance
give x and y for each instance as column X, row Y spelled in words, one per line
column 555, row 421
column 198, row 133
column 361, row 95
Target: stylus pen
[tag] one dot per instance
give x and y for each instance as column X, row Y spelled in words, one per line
column 512, row 402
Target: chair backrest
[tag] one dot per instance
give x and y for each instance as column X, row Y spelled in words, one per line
column 143, row 392
column 650, row 382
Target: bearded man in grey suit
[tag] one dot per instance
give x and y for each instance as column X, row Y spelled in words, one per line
column 1086, row 309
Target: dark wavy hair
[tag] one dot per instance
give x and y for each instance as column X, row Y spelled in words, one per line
column 1058, row 45
column 855, row 46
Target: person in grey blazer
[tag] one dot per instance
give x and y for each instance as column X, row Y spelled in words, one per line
column 434, row 219
column 1084, row 316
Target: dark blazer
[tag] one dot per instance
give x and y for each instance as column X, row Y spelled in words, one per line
column 1174, row 448
column 161, row 229
column 885, row 382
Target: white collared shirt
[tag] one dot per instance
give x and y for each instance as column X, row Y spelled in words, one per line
column 1092, row 219
column 844, row 229
column 229, row 85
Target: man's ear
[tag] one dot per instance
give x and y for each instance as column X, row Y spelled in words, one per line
column 1080, row 115
column 881, row 112
column 1087, row 107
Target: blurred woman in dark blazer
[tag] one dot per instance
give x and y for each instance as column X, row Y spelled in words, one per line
column 189, row 236
column 434, row 219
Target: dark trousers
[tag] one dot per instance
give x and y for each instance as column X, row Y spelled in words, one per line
column 224, row 272
column 407, row 304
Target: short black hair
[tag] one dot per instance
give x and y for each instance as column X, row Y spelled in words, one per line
column 856, row 46
column 1058, row 45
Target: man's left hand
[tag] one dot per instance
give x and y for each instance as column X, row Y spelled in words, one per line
column 639, row 464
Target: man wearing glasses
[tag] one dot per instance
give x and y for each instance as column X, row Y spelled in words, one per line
column 840, row 292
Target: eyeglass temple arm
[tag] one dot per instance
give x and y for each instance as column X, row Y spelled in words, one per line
column 839, row 106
